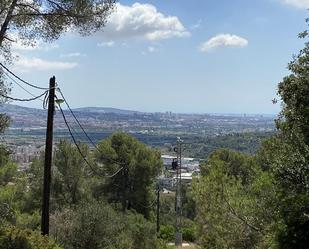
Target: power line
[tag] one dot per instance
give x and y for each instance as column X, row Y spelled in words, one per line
column 88, row 137
column 17, row 77
column 74, row 116
column 148, row 206
column 23, row 100
column 79, row 150
column 110, row 176
column 11, row 78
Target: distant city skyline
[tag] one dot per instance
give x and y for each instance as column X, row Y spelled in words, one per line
column 198, row 56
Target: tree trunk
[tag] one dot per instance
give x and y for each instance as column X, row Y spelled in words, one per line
column 6, row 22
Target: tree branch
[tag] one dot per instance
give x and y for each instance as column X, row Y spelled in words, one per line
column 7, row 20
column 9, row 39
column 70, row 15
column 28, row 6
column 233, row 211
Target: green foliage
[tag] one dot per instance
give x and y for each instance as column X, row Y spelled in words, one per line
column 8, row 169
column 35, row 183
column 90, row 225
column 138, row 165
column 48, row 19
column 188, row 203
column 8, row 172
column 238, row 165
column 15, row 238
column 142, row 231
column 286, row 155
column 4, row 119
column 167, row 233
column 69, row 175
column 235, row 203
column 188, row 234
column 7, row 201
column 97, row 225
column 167, row 209
column 247, row 142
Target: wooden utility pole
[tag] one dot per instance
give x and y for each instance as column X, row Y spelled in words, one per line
column 48, row 157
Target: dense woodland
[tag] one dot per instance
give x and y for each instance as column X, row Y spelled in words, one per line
column 105, row 198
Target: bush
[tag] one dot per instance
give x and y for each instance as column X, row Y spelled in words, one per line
column 96, row 225
column 188, row 234
column 16, row 238
column 167, row 233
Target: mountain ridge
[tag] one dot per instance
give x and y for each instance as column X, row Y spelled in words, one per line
column 10, row 108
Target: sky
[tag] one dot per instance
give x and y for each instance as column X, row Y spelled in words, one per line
column 197, row 56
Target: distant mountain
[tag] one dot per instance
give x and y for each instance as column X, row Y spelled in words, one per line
column 16, row 109
column 92, row 116
column 106, row 110
column 99, row 120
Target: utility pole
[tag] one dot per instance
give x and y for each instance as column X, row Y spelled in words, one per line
column 178, row 236
column 48, row 157
column 158, row 208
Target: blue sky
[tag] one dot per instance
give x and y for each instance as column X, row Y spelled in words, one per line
column 201, row 56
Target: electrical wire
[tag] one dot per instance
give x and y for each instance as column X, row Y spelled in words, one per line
column 65, row 120
column 148, row 206
column 79, row 150
column 17, row 77
column 23, row 100
column 11, row 78
column 74, row 116
column 88, row 137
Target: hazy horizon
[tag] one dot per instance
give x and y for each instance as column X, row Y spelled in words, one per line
column 141, row 111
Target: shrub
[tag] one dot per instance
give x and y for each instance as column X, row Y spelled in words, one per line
column 188, row 234
column 16, row 238
column 167, row 233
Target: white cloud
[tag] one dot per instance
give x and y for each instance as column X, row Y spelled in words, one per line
column 76, row 54
column 302, row 4
column 223, row 40
column 106, row 44
column 142, row 21
column 25, row 64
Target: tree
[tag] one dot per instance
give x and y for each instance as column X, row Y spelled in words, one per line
column 69, row 174
column 238, row 165
column 235, row 203
column 95, row 224
column 138, row 168
column 4, row 119
column 287, row 155
column 27, row 21
column 8, row 169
